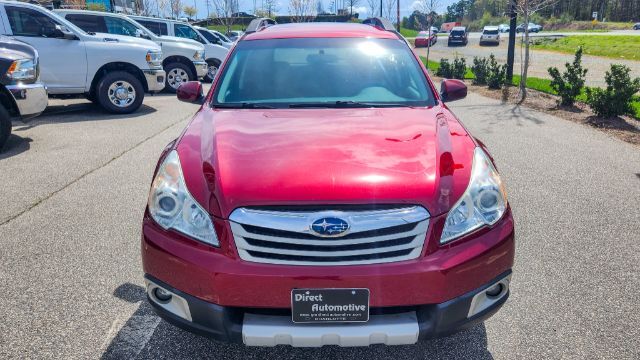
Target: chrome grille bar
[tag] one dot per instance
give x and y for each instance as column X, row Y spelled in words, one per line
column 374, row 236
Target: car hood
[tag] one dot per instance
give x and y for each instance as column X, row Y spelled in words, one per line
column 236, row 158
column 125, row 39
column 179, row 40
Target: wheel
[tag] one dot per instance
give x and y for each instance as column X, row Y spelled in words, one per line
column 120, row 92
column 177, row 73
column 214, row 65
column 5, row 126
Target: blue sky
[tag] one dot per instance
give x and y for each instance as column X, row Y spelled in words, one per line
column 247, row 6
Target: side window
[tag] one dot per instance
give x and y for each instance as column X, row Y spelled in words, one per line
column 209, row 36
column 89, row 23
column 29, row 22
column 120, row 26
column 157, row 28
column 185, row 31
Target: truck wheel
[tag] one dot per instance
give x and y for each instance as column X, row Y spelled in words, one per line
column 213, row 65
column 5, row 126
column 177, row 74
column 120, row 92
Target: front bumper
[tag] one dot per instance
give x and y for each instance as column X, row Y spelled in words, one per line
column 201, row 68
column 31, row 99
column 489, row 40
column 389, row 326
column 155, row 79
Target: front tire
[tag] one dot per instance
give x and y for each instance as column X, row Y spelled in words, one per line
column 213, row 67
column 177, row 74
column 5, row 126
column 120, row 92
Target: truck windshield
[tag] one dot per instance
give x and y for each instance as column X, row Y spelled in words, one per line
column 323, row 72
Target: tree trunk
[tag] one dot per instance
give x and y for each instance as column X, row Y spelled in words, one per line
column 525, row 67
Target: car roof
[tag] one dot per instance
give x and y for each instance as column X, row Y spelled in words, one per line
column 320, row 30
column 459, row 28
column 490, row 28
column 88, row 12
column 151, row 18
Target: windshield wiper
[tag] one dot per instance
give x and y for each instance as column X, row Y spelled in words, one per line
column 244, row 105
column 346, row 104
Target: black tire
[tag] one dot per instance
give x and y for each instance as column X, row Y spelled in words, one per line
column 5, row 126
column 123, row 80
column 211, row 63
column 177, row 71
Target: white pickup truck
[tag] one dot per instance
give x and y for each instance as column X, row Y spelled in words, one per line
column 215, row 53
column 184, row 59
column 114, row 71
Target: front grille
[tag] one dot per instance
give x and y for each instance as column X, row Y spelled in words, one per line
column 278, row 236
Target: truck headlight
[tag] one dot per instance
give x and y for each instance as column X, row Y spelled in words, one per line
column 483, row 203
column 172, row 206
column 154, row 58
column 23, row 69
column 199, row 55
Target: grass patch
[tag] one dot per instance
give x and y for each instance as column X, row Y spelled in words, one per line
column 408, row 32
column 611, row 46
column 223, row 29
column 542, row 85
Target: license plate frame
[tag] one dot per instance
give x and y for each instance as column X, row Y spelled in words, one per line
column 333, row 305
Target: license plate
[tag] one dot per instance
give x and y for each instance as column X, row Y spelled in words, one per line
column 329, row 305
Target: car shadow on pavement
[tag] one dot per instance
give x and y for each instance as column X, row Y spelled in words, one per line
column 146, row 336
column 15, row 145
column 79, row 112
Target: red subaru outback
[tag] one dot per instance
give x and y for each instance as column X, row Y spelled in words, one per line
column 325, row 194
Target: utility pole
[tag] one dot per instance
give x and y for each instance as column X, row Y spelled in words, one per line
column 511, row 53
column 398, row 15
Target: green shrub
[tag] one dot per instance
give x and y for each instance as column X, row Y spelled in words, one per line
column 617, row 98
column 96, row 6
column 480, row 68
column 570, row 83
column 496, row 73
column 455, row 70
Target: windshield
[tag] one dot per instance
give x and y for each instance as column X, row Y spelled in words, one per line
column 323, row 71
column 209, row 36
column 457, row 32
column 490, row 32
column 66, row 23
column 423, row 34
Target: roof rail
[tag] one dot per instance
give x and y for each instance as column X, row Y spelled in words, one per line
column 380, row 22
column 259, row 24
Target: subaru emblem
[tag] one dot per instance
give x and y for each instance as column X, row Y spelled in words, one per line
column 329, row 227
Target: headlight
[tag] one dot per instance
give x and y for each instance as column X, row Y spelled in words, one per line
column 154, row 58
column 24, row 69
column 172, row 207
column 199, row 55
column 483, row 203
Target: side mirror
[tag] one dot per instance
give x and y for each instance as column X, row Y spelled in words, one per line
column 452, row 90
column 191, row 92
column 141, row 34
column 65, row 33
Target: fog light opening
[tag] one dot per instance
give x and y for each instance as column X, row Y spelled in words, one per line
column 162, row 295
column 495, row 290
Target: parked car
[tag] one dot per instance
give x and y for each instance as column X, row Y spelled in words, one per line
column 434, row 30
column 214, row 52
column 347, row 201
column 636, row 26
column 234, row 35
column 242, row 14
column 213, row 38
column 490, row 35
column 184, row 60
column 533, row 28
column 458, row 36
column 22, row 95
column 425, row 39
column 504, row 28
column 111, row 70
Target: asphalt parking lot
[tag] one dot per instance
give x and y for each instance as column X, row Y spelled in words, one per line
column 75, row 184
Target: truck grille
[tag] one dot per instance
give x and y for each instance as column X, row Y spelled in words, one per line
column 285, row 236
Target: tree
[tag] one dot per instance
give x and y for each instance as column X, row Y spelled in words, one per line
column 271, row 7
column 428, row 7
column 176, row 8
column 389, row 7
column 301, row 10
column 190, row 11
column 526, row 8
column 373, row 7
column 351, row 4
column 223, row 10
